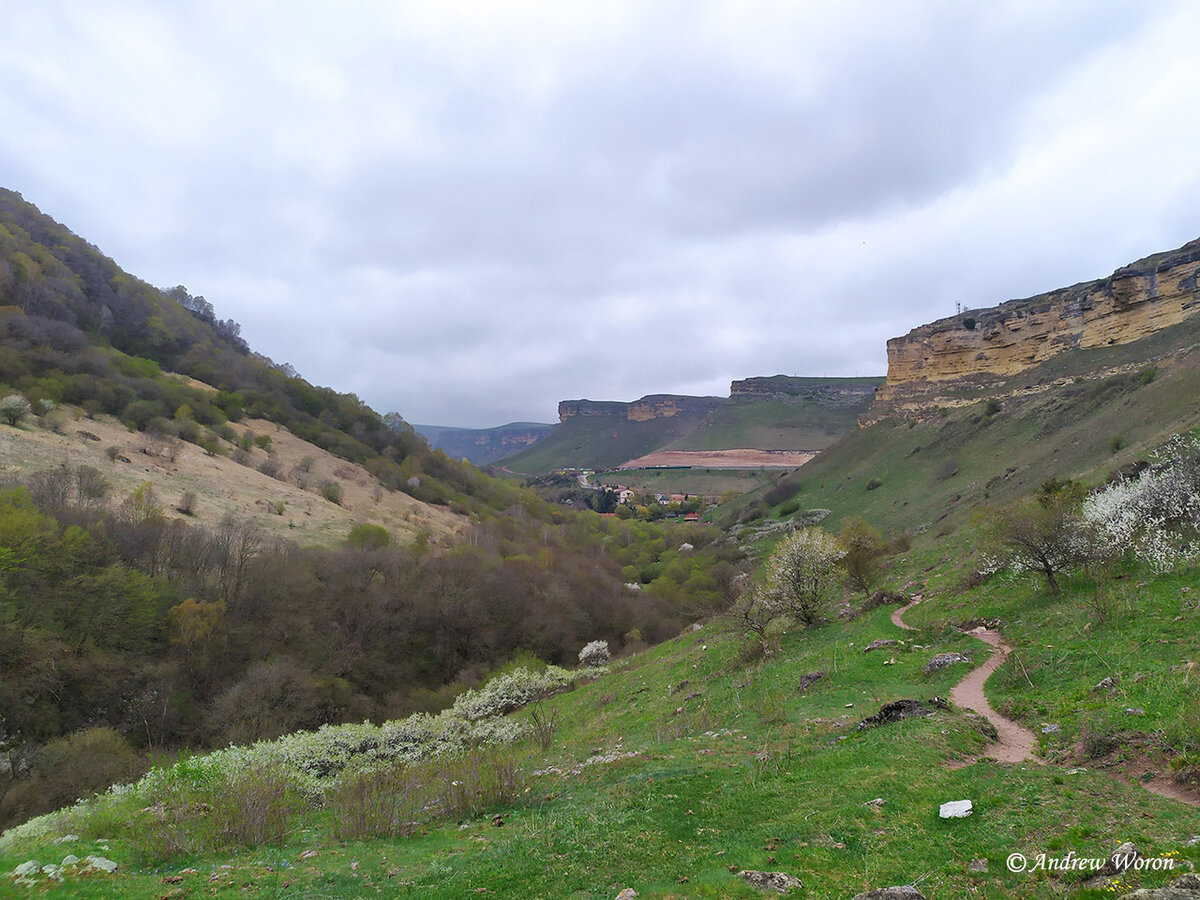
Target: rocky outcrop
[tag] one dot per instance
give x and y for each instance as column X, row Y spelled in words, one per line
column 832, row 393
column 659, row 406
column 1186, row 887
column 570, row 408
column 1132, row 303
column 652, row 406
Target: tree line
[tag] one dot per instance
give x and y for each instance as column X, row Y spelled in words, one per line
column 114, row 615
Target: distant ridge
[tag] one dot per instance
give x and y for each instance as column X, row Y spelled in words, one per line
column 780, row 414
column 481, row 446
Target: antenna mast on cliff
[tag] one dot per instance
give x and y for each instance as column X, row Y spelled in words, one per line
column 957, row 308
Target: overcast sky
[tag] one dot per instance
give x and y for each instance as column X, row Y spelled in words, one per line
column 467, row 211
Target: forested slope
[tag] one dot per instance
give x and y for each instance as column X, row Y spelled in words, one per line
column 131, row 625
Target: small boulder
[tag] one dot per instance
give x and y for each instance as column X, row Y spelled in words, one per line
column 942, row 660
column 1052, row 729
column 894, row 712
column 807, row 681
column 956, row 809
column 627, row 894
column 978, row 867
column 101, row 863
column 1120, row 860
column 1186, row 887
column 882, row 642
column 1134, row 711
column 770, row 881
column 25, row 869
column 1105, row 684
column 70, row 860
column 907, row 892
column 67, row 839
column 878, row 801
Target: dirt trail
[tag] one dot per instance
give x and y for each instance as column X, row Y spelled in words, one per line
column 1016, row 743
column 898, row 614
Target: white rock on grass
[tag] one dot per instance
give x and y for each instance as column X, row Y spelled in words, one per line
column 101, row 863
column 67, row 839
column 25, row 869
column 956, row 809
column 70, row 860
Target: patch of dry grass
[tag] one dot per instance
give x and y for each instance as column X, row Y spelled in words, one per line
column 289, row 505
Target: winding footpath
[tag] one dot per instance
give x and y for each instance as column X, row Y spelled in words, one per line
column 1016, row 744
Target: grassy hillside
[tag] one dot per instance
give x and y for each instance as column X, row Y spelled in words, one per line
column 1084, row 413
column 772, row 424
column 689, row 762
column 598, row 442
column 782, row 413
column 277, row 490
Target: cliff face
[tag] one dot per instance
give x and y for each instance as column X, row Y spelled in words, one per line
column 831, row 393
column 1132, row 303
column 653, row 406
column 570, row 408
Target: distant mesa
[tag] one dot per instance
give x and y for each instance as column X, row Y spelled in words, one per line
column 652, row 406
column 828, row 392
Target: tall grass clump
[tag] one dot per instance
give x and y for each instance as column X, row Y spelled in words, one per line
column 376, row 803
column 392, row 800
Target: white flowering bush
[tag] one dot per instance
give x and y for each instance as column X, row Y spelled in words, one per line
column 14, row 408
column 801, row 573
column 514, row 690
column 1154, row 516
column 311, row 763
column 595, row 654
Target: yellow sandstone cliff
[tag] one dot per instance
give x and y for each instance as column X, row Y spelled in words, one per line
column 1132, row 303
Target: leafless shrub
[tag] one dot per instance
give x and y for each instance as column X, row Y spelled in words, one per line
column 544, row 723
column 253, row 808
column 376, row 803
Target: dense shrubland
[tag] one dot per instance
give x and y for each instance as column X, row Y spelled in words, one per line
column 375, row 779
column 113, row 615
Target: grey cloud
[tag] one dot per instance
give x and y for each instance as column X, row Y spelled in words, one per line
column 467, row 213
